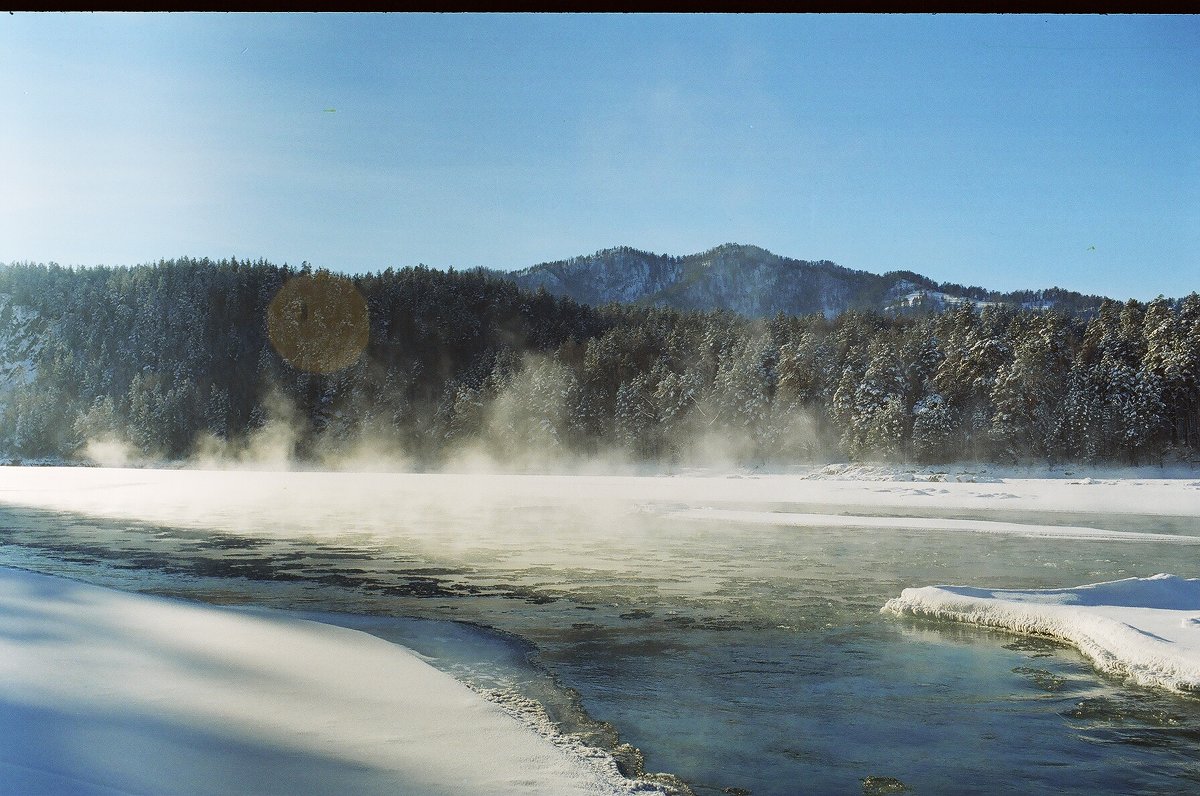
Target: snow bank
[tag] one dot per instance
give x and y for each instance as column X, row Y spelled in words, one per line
column 1147, row 629
column 107, row 692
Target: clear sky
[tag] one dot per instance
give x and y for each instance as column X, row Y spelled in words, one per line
column 1003, row 151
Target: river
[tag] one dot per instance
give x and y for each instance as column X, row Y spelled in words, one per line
column 742, row 658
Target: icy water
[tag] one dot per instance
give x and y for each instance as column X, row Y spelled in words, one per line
column 746, row 659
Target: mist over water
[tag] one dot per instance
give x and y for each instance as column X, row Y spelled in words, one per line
column 732, row 655
column 526, row 422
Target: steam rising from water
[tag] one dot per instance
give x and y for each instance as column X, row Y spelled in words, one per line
column 109, row 450
column 526, row 424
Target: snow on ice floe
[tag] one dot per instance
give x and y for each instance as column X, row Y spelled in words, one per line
column 1147, row 629
column 108, row 692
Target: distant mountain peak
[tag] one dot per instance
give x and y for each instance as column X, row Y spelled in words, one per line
column 740, row 248
column 751, row 280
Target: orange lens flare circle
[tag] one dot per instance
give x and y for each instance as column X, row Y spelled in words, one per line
column 318, row 323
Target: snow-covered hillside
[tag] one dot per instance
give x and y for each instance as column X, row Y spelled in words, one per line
column 755, row 282
column 21, row 340
column 745, row 279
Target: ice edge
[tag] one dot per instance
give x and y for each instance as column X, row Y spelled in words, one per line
column 1116, row 639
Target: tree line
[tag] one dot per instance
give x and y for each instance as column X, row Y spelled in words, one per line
column 170, row 356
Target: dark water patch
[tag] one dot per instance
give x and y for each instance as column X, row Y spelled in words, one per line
column 348, row 571
column 80, row 559
column 321, row 552
column 253, row 570
column 638, row 614
column 349, row 580
column 424, row 588
column 230, row 543
column 679, row 621
column 524, row 593
column 435, row 571
column 876, row 785
column 724, row 625
column 1041, row 679
column 1036, row 646
column 1150, row 710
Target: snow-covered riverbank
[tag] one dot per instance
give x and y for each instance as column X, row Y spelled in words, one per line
column 107, row 692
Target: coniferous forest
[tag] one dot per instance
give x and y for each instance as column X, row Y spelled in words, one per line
column 176, row 360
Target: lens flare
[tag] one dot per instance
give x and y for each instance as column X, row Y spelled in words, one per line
column 318, row 323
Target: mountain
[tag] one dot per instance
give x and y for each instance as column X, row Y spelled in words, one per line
column 757, row 283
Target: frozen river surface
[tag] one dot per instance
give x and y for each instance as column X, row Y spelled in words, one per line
column 741, row 651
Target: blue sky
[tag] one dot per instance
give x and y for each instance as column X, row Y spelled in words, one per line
column 1004, row 151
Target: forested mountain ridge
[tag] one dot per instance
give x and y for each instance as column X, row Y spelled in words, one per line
column 176, row 360
column 756, row 283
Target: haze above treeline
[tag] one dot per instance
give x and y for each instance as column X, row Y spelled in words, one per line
column 175, row 362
